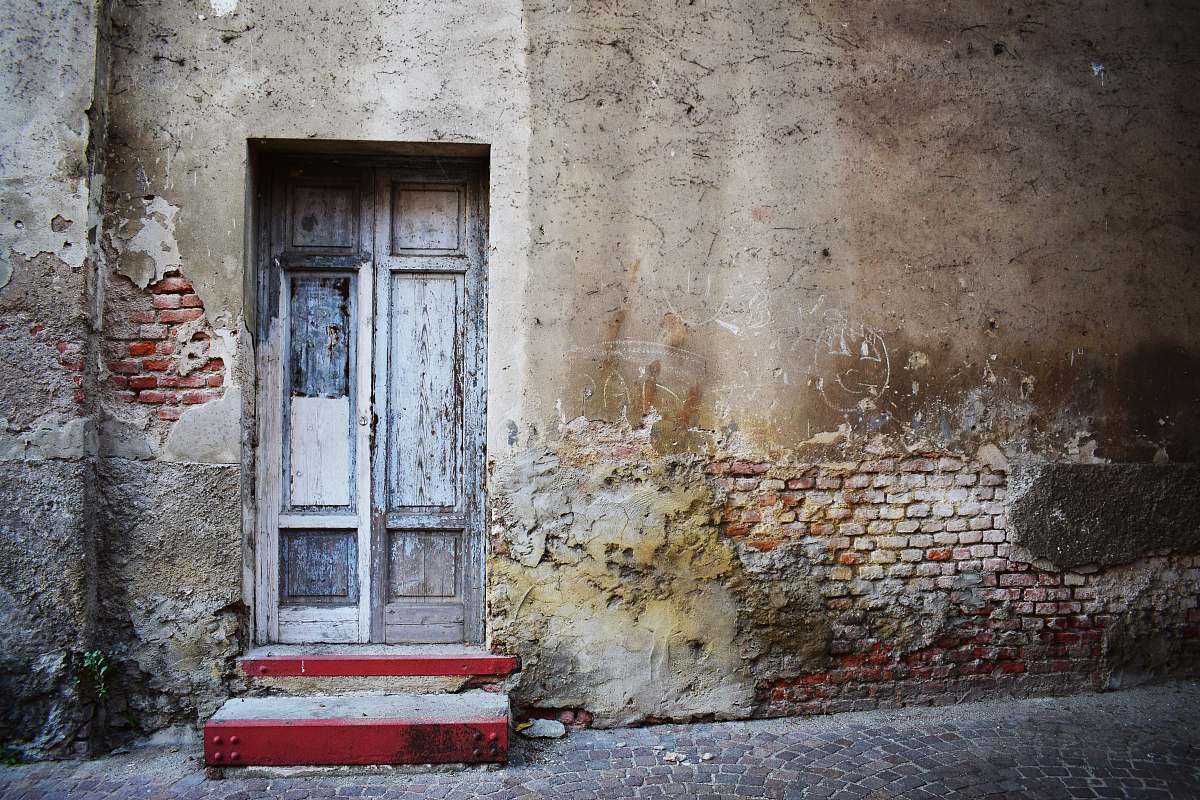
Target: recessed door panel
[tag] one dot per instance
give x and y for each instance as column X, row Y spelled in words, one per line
column 427, row 219
column 424, row 394
column 423, row 564
column 320, row 403
column 318, row 567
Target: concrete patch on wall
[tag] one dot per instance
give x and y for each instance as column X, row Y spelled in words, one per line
column 171, row 618
column 613, row 585
column 46, row 591
column 209, row 433
column 71, row 439
column 1075, row 514
column 124, row 438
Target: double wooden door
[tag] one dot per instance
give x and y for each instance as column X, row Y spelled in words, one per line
column 370, row 402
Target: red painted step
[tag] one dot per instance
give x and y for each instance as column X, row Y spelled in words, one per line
column 352, row 665
column 397, row 729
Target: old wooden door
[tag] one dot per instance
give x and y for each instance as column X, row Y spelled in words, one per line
column 371, row 403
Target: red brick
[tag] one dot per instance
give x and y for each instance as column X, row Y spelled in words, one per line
column 118, row 381
column 191, row 301
column 127, row 397
column 171, row 285
column 749, row 468
column 126, row 366
column 143, row 382
column 801, row 483
column 195, row 398
column 764, row 545
column 215, row 380
column 213, row 365
column 185, row 382
column 151, row 397
column 156, row 364
column 169, row 412
column 938, row 554
column 180, row 315
column 141, row 348
column 166, row 348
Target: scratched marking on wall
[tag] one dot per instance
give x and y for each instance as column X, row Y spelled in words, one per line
column 637, row 375
column 851, row 366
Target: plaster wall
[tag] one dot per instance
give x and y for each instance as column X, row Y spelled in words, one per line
column 47, row 429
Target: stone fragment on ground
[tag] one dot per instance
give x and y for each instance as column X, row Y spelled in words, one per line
column 544, row 729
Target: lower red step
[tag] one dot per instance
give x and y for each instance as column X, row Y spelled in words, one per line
column 396, row 729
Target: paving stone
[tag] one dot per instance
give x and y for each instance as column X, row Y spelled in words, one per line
column 1141, row 743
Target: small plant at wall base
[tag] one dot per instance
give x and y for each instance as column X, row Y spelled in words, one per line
column 9, row 756
column 92, row 673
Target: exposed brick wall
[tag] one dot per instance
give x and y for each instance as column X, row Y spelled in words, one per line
column 157, row 349
column 876, row 536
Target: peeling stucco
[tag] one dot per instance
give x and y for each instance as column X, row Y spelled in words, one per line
column 146, row 244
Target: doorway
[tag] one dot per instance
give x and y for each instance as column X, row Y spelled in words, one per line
column 371, row 367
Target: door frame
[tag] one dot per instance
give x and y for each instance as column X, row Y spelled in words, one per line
column 266, row 286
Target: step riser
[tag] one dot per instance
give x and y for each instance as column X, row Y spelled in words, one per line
column 341, row 742
column 317, row 666
column 376, row 685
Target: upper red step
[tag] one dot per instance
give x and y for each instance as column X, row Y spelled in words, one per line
column 348, row 665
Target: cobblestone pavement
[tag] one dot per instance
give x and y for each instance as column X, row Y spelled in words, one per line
column 1142, row 743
